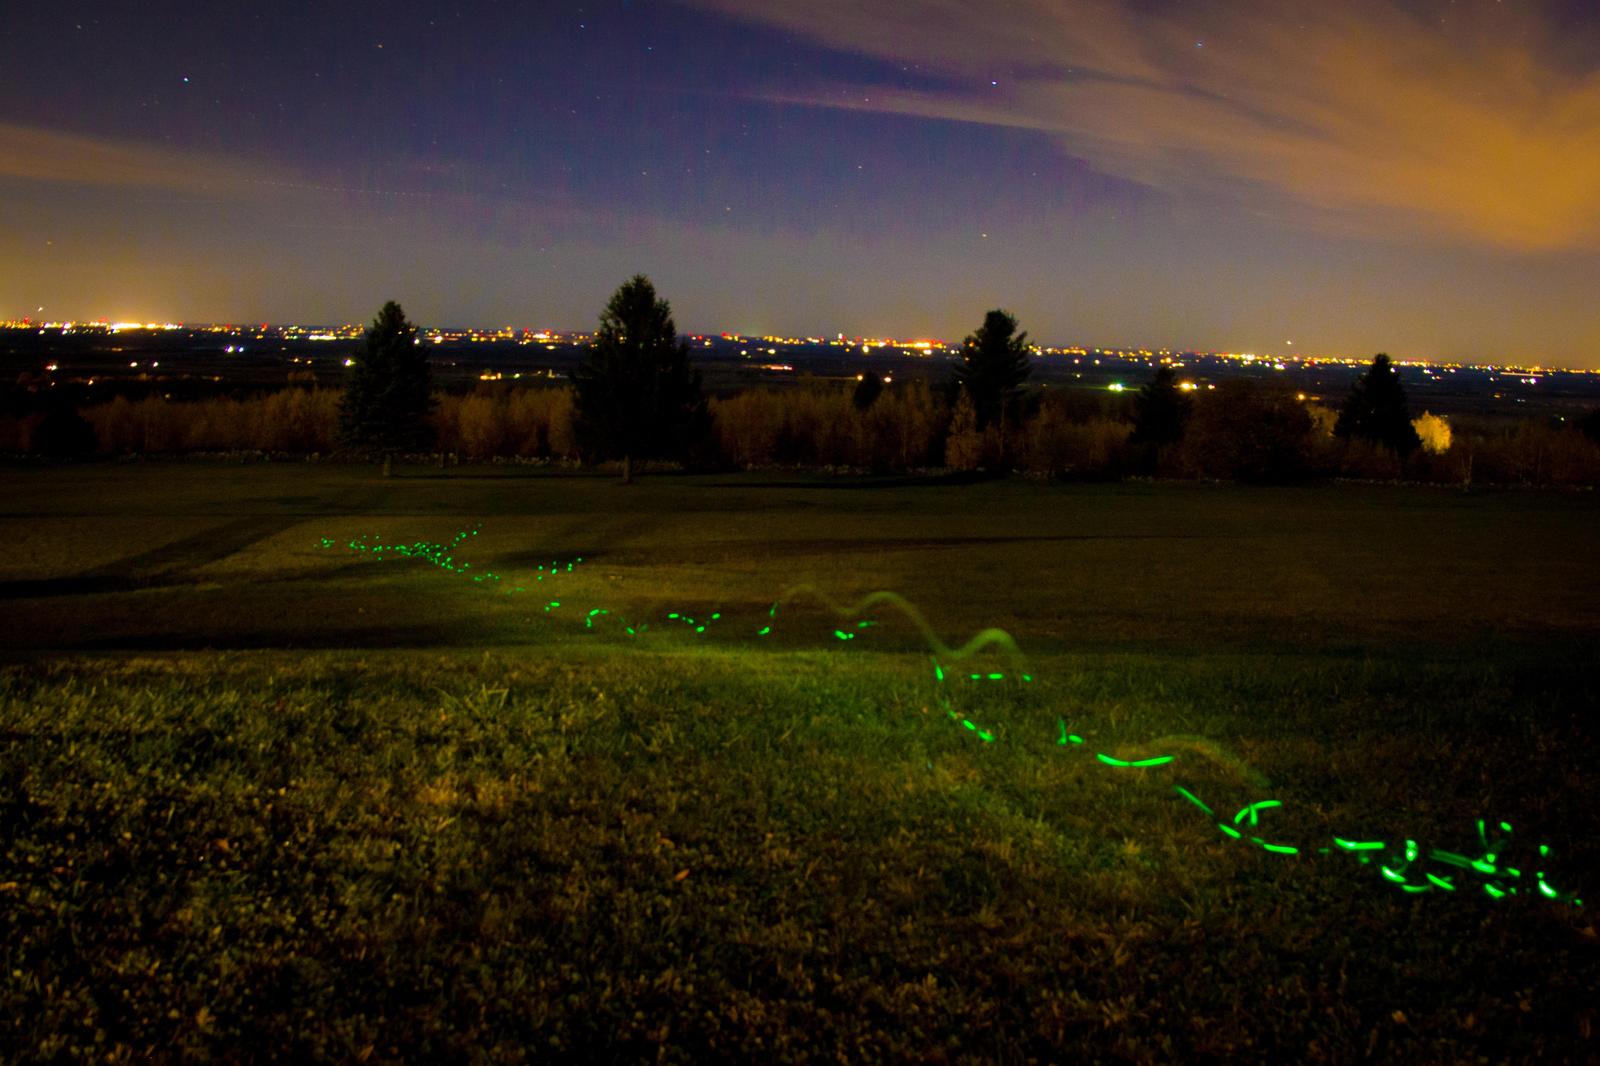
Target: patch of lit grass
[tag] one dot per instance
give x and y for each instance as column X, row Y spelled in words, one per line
column 772, row 855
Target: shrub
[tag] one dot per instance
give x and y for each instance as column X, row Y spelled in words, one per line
column 290, row 420
column 1053, row 442
column 902, row 429
column 1433, row 431
column 965, row 447
column 1535, row 453
column 64, row 434
column 507, row 420
column 16, row 433
column 1248, row 431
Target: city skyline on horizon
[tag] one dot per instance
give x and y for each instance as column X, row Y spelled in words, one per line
column 901, row 342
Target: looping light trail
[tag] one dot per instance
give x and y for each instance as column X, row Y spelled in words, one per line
column 1404, row 865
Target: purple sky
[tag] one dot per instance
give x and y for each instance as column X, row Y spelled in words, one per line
column 1420, row 177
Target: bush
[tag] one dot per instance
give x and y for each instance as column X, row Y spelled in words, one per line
column 1536, row 453
column 64, row 434
column 291, row 420
column 902, row 430
column 507, row 420
column 1055, row 442
column 1248, row 431
column 16, row 433
column 1433, row 431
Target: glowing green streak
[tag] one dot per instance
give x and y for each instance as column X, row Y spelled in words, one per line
column 1190, row 796
column 1159, row 760
column 1253, row 808
column 442, row 556
column 1359, row 845
column 940, row 649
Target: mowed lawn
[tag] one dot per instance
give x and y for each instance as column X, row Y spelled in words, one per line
column 266, row 794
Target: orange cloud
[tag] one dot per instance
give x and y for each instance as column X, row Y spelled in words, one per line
column 1352, row 116
column 31, row 154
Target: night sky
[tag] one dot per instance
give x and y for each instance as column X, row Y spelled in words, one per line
column 1420, row 177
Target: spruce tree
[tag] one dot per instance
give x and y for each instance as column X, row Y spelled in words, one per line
column 638, row 395
column 388, row 393
column 1376, row 410
column 994, row 363
column 1162, row 410
column 867, row 391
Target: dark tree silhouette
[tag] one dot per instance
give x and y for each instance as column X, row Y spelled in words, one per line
column 388, row 393
column 638, row 395
column 1589, row 425
column 1161, row 410
column 994, row 362
column 868, row 389
column 64, row 434
column 1376, row 410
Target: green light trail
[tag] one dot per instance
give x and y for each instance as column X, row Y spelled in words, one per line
column 1409, row 874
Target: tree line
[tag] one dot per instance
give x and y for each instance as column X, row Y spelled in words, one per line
column 637, row 396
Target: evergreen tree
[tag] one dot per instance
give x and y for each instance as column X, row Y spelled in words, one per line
column 868, row 389
column 1589, row 425
column 1376, row 410
column 994, row 363
column 388, row 393
column 637, row 393
column 64, row 434
column 1162, row 410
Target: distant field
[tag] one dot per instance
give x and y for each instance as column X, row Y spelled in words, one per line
column 265, row 797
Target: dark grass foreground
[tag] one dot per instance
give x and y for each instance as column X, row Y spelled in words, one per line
column 702, row 855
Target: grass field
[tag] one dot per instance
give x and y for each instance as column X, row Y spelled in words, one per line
column 265, row 796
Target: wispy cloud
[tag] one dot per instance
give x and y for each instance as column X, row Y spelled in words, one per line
column 50, row 156
column 1353, row 115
